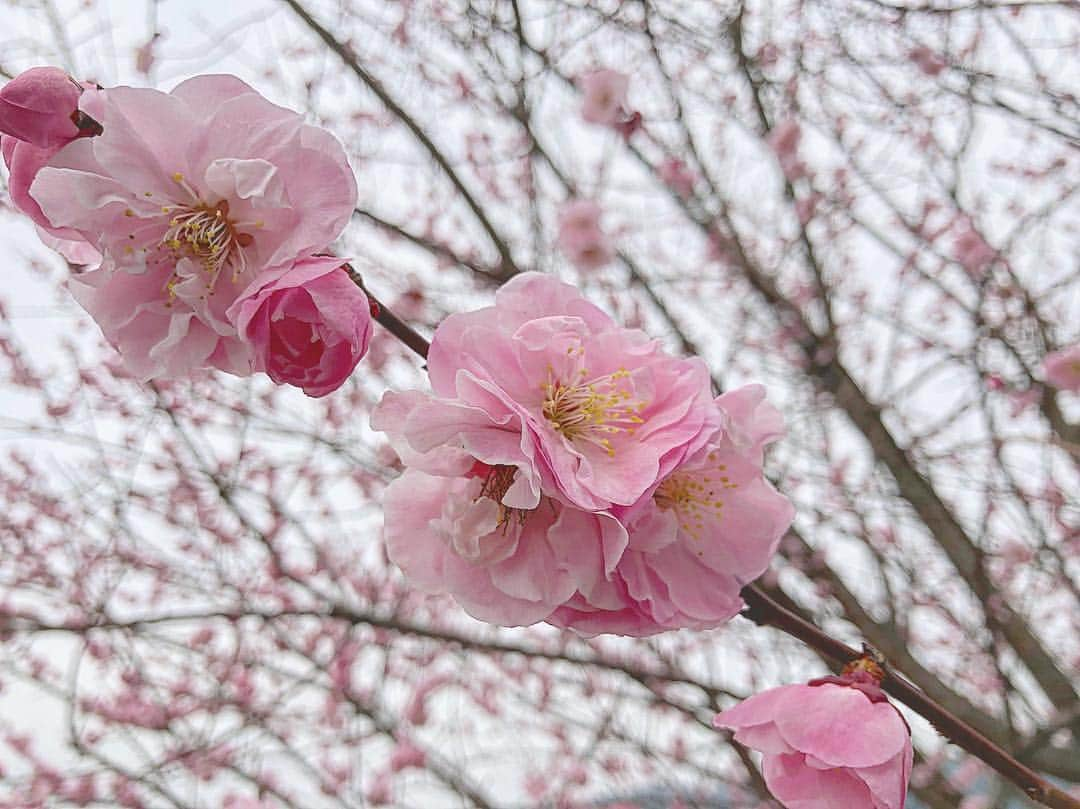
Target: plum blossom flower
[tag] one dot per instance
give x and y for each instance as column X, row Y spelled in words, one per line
column 784, row 140
column 834, row 742
column 926, row 60
column 1062, row 368
column 188, row 196
column 308, row 327
column 40, row 106
column 565, row 469
column 971, row 250
column 677, row 176
column 580, row 236
column 502, row 563
column 233, row 801
column 545, row 382
column 709, row 527
column 406, row 754
column 604, row 97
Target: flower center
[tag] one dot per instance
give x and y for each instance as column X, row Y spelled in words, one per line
column 593, row 410
column 695, row 496
column 206, row 234
column 497, row 482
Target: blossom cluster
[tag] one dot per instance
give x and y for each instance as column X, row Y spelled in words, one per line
column 202, row 217
column 568, row 470
column 562, row 468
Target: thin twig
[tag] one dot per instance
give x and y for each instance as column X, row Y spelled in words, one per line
column 508, row 267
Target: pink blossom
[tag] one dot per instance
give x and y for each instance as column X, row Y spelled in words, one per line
column 379, row 791
column 836, row 743
column 546, row 383
column 926, row 60
column 40, row 106
column 308, row 327
column 189, row 195
column 504, row 564
column 406, row 754
column 145, row 56
column 971, row 251
column 963, row 778
column 580, row 236
column 565, row 469
column 604, row 97
column 784, row 140
column 1020, row 401
column 416, row 709
column 1062, row 368
column 23, row 161
column 677, row 176
column 233, row 801
column 710, row 526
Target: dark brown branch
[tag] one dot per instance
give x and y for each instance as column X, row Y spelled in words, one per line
column 764, row 611
column 391, row 322
column 508, row 267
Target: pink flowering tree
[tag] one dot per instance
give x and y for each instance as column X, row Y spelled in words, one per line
column 732, row 316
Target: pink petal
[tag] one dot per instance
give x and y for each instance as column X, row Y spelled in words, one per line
column 143, row 145
column 888, row 782
column 36, row 107
column 840, row 726
column 207, row 93
column 410, row 503
column 1061, row 369
column 800, row 787
column 764, row 738
column 257, row 179
column 759, row 709
column 391, row 416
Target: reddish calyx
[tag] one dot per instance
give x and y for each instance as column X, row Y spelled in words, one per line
column 864, row 674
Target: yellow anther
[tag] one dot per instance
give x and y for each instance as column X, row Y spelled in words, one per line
column 205, row 234
column 592, row 410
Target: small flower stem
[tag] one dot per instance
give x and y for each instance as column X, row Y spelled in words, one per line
column 391, row 322
column 764, row 611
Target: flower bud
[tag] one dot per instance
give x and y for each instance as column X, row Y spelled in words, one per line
column 836, row 741
column 40, row 106
column 308, row 328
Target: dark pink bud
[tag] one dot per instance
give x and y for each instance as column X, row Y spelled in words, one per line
column 41, row 106
column 308, row 328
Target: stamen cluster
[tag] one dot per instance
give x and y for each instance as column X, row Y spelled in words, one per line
column 205, row 233
column 593, row 410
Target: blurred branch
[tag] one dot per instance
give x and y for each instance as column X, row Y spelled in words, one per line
column 507, row 267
